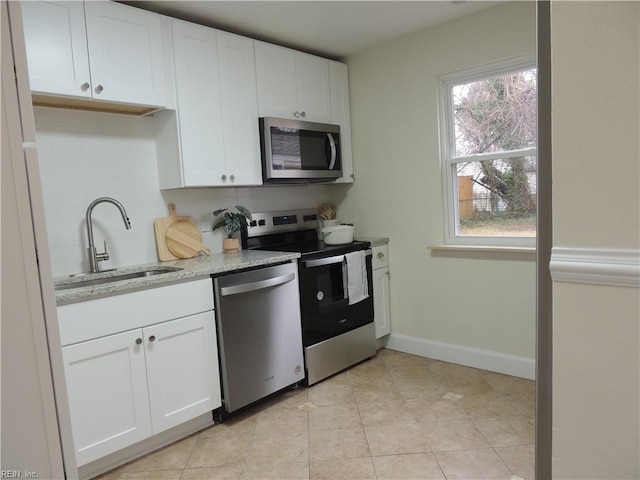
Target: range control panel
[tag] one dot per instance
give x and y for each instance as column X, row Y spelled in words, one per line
column 284, row 221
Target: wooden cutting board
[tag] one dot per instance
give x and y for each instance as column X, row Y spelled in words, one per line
column 160, row 226
column 184, row 240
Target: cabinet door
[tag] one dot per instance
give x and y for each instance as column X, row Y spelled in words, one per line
column 108, row 398
column 199, row 107
column 276, row 74
column 382, row 313
column 56, row 42
column 237, row 73
column 125, row 52
column 313, row 89
column 341, row 115
column 182, row 370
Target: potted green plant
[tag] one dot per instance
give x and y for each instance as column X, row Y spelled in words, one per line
column 233, row 223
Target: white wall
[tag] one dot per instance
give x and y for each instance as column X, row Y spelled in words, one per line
column 596, row 193
column 483, row 301
column 86, row 155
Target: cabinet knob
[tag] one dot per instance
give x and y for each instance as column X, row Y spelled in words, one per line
column 99, row 89
column 380, row 255
column 389, row 274
column 296, row 114
column 138, row 341
column 85, row 86
column 303, row 114
column 232, row 177
column 223, row 177
column 152, row 338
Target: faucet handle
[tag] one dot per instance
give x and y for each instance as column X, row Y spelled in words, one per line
column 104, row 255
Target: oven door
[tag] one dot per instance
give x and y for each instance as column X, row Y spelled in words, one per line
column 324, row 300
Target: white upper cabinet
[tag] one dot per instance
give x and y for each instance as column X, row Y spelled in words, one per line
column 198, row 105
column 292, row 84
column 237, row 75
column 341, row 115
column 125, row 53
column 57, row 54
column 96, row 50
column 217, row 112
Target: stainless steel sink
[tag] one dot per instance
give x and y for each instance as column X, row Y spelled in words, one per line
column 99, row 279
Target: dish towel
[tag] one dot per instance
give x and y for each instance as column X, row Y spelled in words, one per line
column 357, row 285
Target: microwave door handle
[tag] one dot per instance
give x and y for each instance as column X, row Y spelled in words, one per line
column 334, row 152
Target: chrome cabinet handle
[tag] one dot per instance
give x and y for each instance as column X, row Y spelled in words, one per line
column 380, row 255
column 232, row 177
column 296, row 114
column 99, row 89
column 138, row 341
column 85, row 86
column 303, row 114
column 152, row 338
column 223, row 177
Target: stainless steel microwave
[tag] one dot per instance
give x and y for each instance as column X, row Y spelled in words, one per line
column 296, row 151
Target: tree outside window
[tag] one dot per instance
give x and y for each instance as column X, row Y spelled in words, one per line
column 489, row 154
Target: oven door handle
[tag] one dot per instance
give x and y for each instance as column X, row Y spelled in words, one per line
column 323, row 261
column 253, row 286
column 328, row 261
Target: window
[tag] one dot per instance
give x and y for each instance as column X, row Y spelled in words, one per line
column 488, row 132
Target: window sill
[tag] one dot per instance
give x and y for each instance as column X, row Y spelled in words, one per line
column 484, row 249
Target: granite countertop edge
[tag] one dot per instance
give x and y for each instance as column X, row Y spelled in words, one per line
column 191, row 269
column 375, row 241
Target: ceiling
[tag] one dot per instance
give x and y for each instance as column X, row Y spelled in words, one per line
column 334, row 29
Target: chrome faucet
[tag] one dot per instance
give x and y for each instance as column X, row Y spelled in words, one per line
column 94, row 256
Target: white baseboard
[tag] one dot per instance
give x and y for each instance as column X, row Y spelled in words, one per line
column 468, row 356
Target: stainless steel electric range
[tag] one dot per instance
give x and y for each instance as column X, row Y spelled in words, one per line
column 337, row 326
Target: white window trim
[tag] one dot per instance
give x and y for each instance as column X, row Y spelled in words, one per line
column 447, row 147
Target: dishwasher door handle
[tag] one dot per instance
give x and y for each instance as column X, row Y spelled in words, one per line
column 253, row 286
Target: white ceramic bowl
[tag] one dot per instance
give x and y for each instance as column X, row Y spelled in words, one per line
column 338, row 235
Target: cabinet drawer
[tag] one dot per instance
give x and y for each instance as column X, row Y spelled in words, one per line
column 380, row 257
column 105, row 316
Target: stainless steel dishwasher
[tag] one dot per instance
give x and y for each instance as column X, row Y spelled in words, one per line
column 259, row 333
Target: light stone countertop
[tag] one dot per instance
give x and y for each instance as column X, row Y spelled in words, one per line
column 192, row 269
column 375, row 241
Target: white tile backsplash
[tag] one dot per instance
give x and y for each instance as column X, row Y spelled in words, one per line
column 86, row 155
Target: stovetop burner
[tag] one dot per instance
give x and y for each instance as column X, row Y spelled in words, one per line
column 293, row 231
column 307, row 249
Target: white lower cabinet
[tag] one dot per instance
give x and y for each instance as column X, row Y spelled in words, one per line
column 180, row 358
column 381, row 307
column 108, row 397
column 125, row 387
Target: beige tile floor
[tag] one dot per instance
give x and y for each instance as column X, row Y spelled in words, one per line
column 396, row 416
